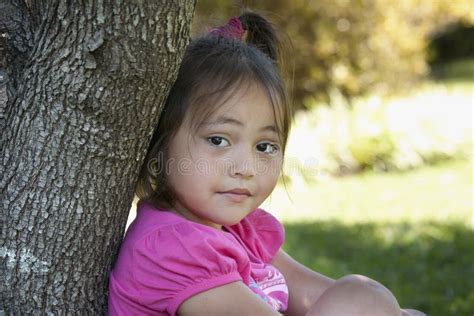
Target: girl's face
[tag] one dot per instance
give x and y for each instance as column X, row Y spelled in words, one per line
column 226, row 168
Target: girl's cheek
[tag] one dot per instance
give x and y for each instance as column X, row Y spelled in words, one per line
column 271, row 168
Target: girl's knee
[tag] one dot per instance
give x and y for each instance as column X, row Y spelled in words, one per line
column 357, row 295
column 368, row 295
column 361, row 282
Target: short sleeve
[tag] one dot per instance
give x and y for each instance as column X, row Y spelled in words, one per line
column 262, row 234
column 180, row 261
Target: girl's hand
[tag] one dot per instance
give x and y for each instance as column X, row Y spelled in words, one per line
column 412, row 312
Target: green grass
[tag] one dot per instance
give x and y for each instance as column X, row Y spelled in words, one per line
column 428, row 266
column 439, row 193
column 411, row 231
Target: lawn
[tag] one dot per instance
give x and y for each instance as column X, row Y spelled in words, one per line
column 412, row 231
column 440, row 193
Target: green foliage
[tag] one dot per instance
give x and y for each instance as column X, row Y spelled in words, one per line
column 372, row 151
column 371, row 144
column 353, row 46
column 428, row 265
column 424, row 127
column 455, row 72
column 441, row 46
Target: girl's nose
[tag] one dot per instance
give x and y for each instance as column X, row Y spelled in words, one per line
column 244, row 165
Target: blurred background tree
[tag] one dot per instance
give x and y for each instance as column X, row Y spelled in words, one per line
column 355, row 47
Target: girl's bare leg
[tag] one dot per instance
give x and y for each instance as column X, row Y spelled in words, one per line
column 355, row 295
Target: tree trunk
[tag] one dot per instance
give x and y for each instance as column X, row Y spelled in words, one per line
column 86, row 83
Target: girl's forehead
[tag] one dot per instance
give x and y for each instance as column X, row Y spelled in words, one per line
column 244, row 102
column 247, row 104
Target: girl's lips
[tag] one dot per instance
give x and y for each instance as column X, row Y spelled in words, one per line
column 236, row 195
column 238, row 191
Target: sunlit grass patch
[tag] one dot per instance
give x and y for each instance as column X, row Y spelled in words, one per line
column 442, row 192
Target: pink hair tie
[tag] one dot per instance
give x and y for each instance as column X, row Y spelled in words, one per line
column 233, row 28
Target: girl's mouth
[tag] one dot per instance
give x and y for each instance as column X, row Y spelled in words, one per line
column 236, row 195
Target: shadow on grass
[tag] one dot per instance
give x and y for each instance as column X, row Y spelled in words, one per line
column 428, row 266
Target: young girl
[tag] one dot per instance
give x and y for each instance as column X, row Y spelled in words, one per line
column 200, row 245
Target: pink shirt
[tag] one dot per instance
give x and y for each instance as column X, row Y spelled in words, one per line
column 165, row 259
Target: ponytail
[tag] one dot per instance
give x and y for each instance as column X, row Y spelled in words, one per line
column 253, row 29
column 261, row 34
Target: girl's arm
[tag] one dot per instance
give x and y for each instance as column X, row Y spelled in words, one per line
column 304, row 285
column 306, row 289
column 230, row 299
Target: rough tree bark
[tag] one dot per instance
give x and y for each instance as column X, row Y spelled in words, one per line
column 86, row 81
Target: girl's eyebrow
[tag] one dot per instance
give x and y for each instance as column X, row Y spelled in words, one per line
column 222, row 120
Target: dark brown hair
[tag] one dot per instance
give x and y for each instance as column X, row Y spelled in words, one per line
column 212, row 69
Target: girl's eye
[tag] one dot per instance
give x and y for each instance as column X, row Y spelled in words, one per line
column 218, row 141
column 267, row 148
